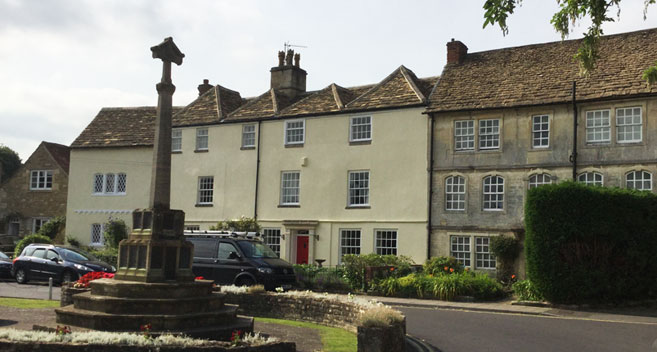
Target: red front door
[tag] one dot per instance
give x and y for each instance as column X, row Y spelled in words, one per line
column 302, row 249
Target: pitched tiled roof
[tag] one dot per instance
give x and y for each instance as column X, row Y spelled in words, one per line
column 543, row 73
column 211, row 107
column 120, row 127
column 400, row 88
column 60, row 153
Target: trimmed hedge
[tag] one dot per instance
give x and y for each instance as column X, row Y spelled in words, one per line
column 27, row 240
column 591, row 243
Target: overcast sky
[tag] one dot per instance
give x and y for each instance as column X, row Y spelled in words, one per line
column 61, row 61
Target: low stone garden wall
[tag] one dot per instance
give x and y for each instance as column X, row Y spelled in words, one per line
column 12, row 346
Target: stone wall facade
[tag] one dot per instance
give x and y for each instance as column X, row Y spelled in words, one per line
column 11, row 346
column 19, row 203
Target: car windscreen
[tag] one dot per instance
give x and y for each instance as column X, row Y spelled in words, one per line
column 254, row 249
column 75, row 255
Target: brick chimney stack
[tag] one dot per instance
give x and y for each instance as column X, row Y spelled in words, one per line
column 287, row 78
column 456, row 52
column 202, row 88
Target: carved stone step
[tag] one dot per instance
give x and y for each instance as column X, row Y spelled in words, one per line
column 131, row 289
column 117, row 305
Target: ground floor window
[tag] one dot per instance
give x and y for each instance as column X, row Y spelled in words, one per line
column 192, row 227
column 349, row 242
column 97, row 238
column 37, row 223
column 272, row 238
column 485, row 259
column 14, row 227
column 461, row 248
column 386, row 242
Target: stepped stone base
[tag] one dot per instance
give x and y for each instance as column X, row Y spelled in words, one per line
column 189, row 308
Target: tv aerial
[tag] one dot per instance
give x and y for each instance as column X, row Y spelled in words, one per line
column 287, row 46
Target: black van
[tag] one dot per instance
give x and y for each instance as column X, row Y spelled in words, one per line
column 238, row 259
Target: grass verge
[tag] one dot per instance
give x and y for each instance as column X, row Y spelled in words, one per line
column 27, row 303
column 333, row 339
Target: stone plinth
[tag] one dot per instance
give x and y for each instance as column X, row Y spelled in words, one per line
column 189, row 308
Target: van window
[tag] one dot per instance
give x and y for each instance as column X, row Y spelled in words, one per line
column 256, row 250
column 225, row 249
column 204, row 247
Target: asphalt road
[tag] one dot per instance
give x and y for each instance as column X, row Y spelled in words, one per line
column 456, row 330
column 36, row 290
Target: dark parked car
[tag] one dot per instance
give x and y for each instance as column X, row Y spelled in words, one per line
column 5, row 265
column 239, row 260
column 42, row 261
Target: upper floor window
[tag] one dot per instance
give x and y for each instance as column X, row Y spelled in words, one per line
column 41, row 180
column 590, row 178
column 110, row 183
column 464, row 135
column 386, row 242
column 359, row 188
column 248, row 136
column 205, row 190
column 290, row 187
column 540, row 131
column 201, row 139
column 598, row 127
column 360, row 129
column 639, row 180
column 455, row 193
column 489, row 134
column 176, row 140
column 628, row 125
column 539, row 180
column 493, row 193
column 295, row 132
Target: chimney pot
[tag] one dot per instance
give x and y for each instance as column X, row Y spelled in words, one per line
column 206, row 86
column 287, row 78
column 456, row 52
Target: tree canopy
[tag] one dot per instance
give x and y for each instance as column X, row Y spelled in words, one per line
column 10, row 162
column 572, row 11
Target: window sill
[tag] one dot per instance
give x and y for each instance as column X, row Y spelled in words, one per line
column 357, row 207
column 363, row 142
column 108, row 194
column 41, row 190
column 201, row 151
column 176, row 152
column 296, row 145
column 248, row 148
column 289, row 206
column 202, row 205
column 546, row 149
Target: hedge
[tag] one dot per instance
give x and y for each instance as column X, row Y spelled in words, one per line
column 587, row 243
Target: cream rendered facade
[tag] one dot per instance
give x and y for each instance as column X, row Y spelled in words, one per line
column 396, row 158
column 85, row 207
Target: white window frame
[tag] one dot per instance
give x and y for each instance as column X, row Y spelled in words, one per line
column 110, row 184
column 101, row 235
column 248, row 136
column 41, row 220
column 176, row 140
column 202, row 139
column 494, row 196
column 350, row 242
column 383, row 248
column 589, row 178
column 489, row 139
column 287, row 129
column 41, row 180
column 484, row 258
column 541, row 131
column 536, row 180
column 461, row 249
column 288, row 181
column 464, row 135
column 622, row 125
column 455, row 193
column 645, row 176
column 354, row 126
column 358, row 192
column 593, row 129
column 203, row 193
column 272, row 238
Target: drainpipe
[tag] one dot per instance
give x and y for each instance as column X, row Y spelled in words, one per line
column 573, row 156
column 431, row 119
column 255, row 201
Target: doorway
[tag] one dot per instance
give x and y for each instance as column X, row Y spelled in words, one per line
column 302, row 247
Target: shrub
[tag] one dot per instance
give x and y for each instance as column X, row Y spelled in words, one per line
column 591, row 243
column 73, row 241
column 381, row 316
column 437, row 265
column 312, row 277
column 355, row 265
column 256, row 289
column 242, row 224
column 525, row 291
column 443, row 287
column 115, row 231
column 52, row 227
column 506, row 250
column 29, row 240
column 108, row 255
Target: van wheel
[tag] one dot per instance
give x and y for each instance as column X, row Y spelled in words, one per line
column 244, row 281
column 21, row 276
column 69, row 276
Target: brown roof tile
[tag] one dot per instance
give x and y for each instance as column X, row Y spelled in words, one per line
column 211, row 107
column 60, row 153
column 399, row 89
column 543, row 73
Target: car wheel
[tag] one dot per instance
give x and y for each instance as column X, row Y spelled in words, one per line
column 69, row 276
column 244, row 281
column 21, row 276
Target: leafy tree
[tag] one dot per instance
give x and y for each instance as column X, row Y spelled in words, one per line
column 10, row 162
column 53, row 227
column 242, row 224
column 497, row 12
column 115, row 231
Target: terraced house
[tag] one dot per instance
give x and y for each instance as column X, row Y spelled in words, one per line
column 508, row 120
column 326, row 173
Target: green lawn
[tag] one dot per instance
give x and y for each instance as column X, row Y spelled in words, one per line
column 333, row 339
column 27, row 303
